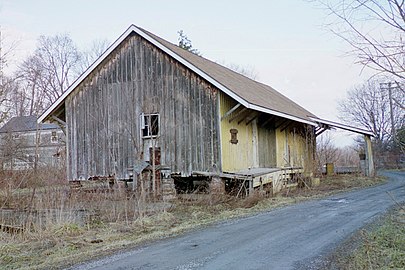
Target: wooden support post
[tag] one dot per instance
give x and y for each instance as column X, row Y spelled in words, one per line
column 251, row 187
column 369, row 156
column 217, row 185
column 168, row 187
column 255, row 142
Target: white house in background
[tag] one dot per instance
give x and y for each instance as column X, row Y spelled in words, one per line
column 25, row 144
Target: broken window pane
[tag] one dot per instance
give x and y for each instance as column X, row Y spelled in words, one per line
column 151, row 125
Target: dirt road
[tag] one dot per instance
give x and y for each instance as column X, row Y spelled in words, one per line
column 294, row 237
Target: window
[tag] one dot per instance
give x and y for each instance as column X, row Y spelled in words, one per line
column 234, row 136
column 150, row 125
column 54, row 137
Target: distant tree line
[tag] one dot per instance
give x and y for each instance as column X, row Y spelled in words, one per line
column 375, row 33
column 43, row 76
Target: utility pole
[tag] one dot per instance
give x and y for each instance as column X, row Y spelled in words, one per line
column 390, row 86
column 391, row 112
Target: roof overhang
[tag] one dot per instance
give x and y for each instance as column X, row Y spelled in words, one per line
column 313, row 121
column 323, row 122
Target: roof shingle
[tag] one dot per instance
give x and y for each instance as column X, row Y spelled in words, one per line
column 25, row 123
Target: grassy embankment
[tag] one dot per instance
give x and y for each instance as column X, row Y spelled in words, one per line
column 63, row 227
column 380, row 247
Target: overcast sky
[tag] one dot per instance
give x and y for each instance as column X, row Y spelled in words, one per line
column 285, row 42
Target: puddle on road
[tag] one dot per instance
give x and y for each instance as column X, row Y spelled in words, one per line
column 337, row 200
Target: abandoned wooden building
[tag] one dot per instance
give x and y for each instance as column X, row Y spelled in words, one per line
column 25, row 144
column 148, row 101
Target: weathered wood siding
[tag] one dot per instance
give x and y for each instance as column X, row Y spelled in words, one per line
column 295, row 146
column 240, row 156
column 103, row 114
column 267, row 145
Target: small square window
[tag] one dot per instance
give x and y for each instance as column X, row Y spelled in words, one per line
column 150, row 125
column 54, row 137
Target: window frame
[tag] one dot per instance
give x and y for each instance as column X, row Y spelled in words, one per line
column 54, row 137
column 147, row 124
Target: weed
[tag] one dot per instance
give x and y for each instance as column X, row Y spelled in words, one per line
column 63, row 227
column 380, row 248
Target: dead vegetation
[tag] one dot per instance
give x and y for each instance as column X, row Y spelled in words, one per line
column 379, row 246
column 56, row 226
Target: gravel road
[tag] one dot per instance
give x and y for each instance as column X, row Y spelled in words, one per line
column 293, row 237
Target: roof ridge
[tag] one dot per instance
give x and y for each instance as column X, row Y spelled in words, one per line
column 250, row 93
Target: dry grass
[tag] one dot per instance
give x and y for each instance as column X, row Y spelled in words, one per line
column 62, row 227
column 381, row 247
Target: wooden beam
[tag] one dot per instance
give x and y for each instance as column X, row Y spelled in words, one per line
column 253, row 118
column 228, row 113
column 236, row 115
column 247, row 116
column 320, row 131
column 285, row 125
column 63, row 123
column 281, row 123
column 268, row 120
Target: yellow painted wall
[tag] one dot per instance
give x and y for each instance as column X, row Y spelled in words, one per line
column 235, row 157
column 291, row 145
column 292, row 149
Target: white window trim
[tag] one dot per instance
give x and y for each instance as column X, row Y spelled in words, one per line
column 143, row 125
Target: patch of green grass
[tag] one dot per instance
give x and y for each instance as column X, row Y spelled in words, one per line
column 381, row 248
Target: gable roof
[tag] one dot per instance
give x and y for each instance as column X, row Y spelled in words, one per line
column 249, row 93
column 25, row 123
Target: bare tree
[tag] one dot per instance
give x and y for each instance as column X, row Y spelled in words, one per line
column 375, row 29
column 7, row 83
column 49, row 71
column 326, row 151
column 367, row 106
column 30, row 96
column 7, row 86
column 348, row 156
column 90, row 55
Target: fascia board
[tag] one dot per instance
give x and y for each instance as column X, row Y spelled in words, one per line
column 343, row 126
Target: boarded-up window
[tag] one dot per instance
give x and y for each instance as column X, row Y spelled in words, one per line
column 150, row 125
column 234, row 136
